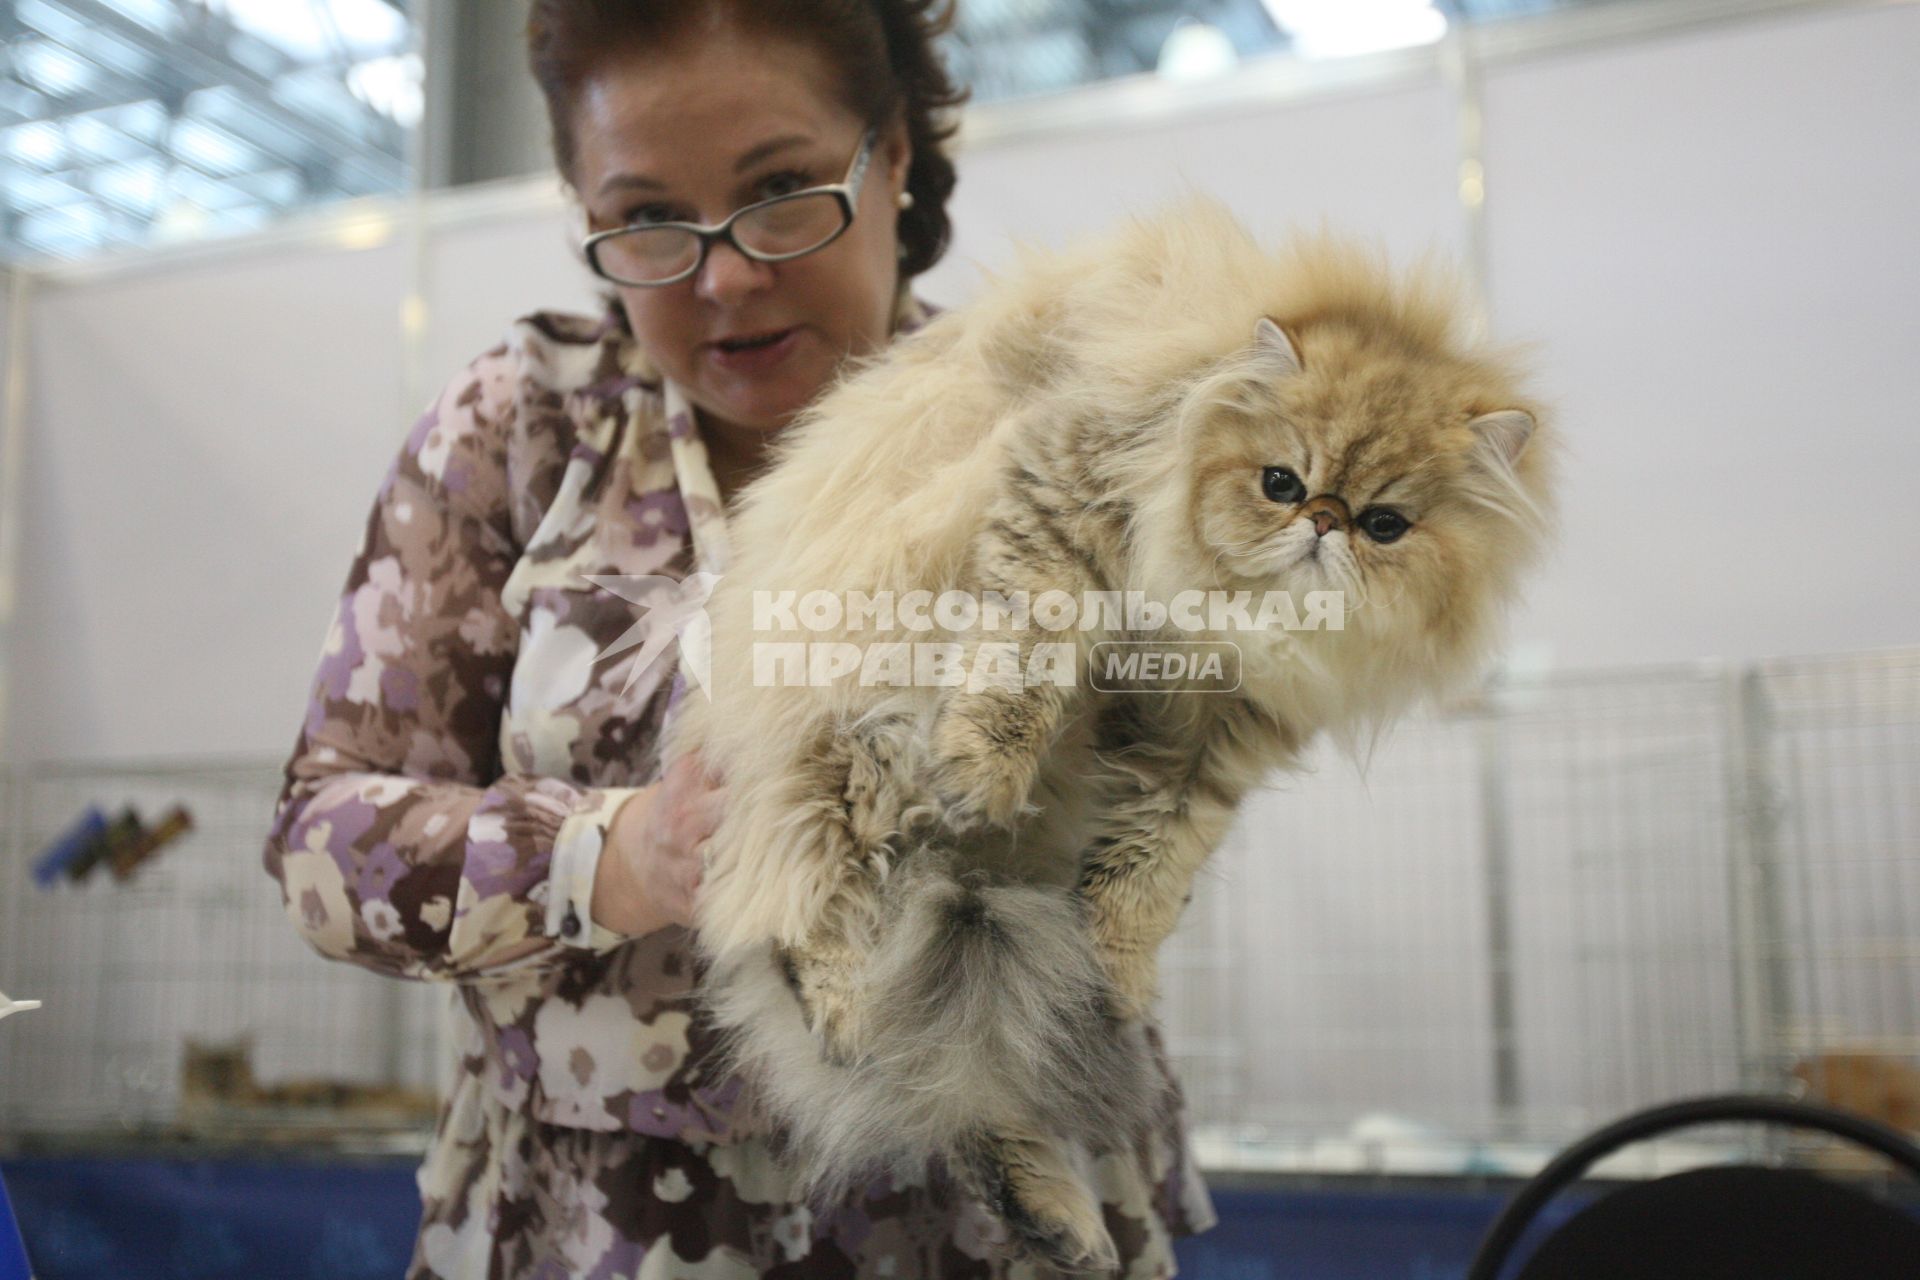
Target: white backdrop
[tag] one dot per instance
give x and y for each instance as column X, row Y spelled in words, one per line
column 1714, row 239
column 1711, row 236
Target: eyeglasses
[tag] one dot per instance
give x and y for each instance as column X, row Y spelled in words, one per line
column 776, row 230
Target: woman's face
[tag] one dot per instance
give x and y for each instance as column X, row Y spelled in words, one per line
column 691, row 133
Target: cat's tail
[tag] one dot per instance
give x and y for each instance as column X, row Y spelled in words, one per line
column 985, row 1014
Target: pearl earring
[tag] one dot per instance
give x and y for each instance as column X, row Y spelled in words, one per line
column 905, row 200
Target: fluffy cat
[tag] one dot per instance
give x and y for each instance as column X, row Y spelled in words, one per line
column 932, row 912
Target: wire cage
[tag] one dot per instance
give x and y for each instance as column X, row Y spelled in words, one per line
column 179, row 1002
column 1569, row 898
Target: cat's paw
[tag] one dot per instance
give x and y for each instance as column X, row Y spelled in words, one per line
column 1133, row 980
column 1050, row 1214
column 827, row 991
column 983, row 767
column 837, row 1027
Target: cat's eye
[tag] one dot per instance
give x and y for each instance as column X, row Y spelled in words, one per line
column 1383, row 524
column 1282, row 485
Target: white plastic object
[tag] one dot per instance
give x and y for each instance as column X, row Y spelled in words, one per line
column 8, row 1006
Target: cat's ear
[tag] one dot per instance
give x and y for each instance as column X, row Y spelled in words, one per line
column 1273, row 344
column 1502, row 435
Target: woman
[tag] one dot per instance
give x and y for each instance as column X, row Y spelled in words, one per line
column 475, row 796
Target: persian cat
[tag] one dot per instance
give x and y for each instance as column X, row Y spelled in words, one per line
column 931, row 915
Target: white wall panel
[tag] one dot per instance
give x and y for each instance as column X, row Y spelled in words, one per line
column 1713, row 237
column 203, row 446
column 1379, row 164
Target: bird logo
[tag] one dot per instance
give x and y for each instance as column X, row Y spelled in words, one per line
column 676, row 607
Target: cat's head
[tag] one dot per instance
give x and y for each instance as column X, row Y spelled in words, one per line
column 1352, row 445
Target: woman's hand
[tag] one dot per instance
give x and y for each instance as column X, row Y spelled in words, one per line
column 650, row 868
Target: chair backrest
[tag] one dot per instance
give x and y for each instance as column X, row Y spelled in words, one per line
column 1706, row 1224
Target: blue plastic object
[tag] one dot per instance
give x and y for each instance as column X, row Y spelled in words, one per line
column 68, row 848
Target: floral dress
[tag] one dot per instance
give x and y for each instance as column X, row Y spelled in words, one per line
column 476, row 721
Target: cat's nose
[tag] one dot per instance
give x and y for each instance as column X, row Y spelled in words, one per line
column 1328, row 512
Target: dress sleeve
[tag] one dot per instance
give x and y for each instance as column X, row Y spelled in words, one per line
column 397, row 844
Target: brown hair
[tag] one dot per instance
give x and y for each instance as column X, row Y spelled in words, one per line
column 881, row 51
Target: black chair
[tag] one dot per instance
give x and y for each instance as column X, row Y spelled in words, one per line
column 1736, row 1222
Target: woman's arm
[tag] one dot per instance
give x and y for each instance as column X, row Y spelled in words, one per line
column 396, row 843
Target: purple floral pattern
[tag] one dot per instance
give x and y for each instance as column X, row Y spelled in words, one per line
column 465, row 738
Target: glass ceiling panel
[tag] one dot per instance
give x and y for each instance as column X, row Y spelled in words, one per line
column 1015, row 48
column 124, row 122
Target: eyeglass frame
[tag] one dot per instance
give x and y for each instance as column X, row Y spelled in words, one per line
column 847, row 191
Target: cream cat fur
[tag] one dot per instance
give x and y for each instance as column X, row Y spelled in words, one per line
column 965, row 887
